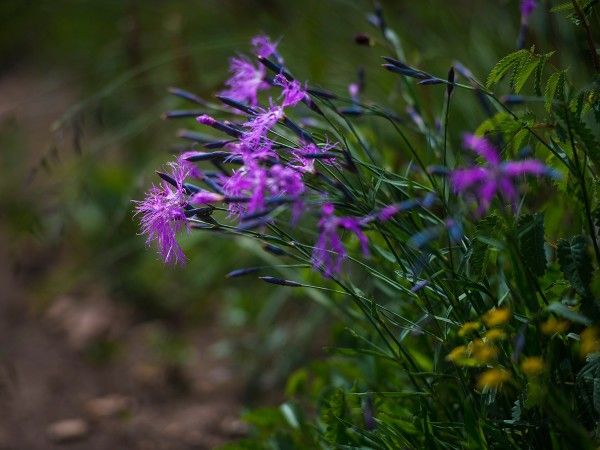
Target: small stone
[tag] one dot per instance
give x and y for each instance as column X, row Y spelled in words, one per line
column 108, row 406
column 68, row 430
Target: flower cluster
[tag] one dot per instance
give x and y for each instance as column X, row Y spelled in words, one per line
column 271, row 174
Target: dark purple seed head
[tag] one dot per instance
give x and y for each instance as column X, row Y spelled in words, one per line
column 280, row 281
column 242, row 272
column 363, row 39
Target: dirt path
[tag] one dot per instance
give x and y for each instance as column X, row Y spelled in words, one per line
column 52, row 395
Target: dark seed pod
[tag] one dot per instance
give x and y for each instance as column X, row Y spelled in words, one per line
column 255, row 215
column 450, row 78
column 275, row 68
column 177, row 92
column 212, row 184
column 217, row 144
column 321, row 93
column 168, row 178
column 242, row 272
column 352, row 111
column 194, row 136
column 237, row 105
column 303, row 135
column 181, row 114
column 363, row 39
column 236, row 199
column 429, row 81
column 280, row 282
column 191, row 188
column 274, row 249
column 439, row 170
column 199, row 212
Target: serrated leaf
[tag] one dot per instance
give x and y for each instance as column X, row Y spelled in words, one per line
column 563, row 7
column 539, row 71
column 530, row 229
column 523, row 72
column 575, row 263
column 480, row 249
column 504, row 66
column 554, row 89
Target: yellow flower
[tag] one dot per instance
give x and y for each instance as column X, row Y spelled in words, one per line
column 554, row 326
column 533, row 365
column 492, row 378
column 483, row 352
column 496, row 316
column 457, row 353
column 589, row 341
column 495, row 334
column 468, row 327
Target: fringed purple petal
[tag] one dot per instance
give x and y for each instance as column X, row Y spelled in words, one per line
column 482, row 147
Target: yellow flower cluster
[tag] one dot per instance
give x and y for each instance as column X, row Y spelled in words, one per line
column 533, row 365
column 589, row 341
column 481, row 351
column 493, row 378
column 554, row 326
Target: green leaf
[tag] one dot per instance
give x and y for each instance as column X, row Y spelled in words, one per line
column 587, row 138
column 524, row 71
column 505, row 65
column 332, row 414
column 479, row 248
column 562, row 310
column 575, row 263
column 554, row 89
column 539, row 71
column 530, row 229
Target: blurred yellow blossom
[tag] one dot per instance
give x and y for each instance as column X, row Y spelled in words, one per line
column 468, row 327
column 589, row 341
column 532, row 365
column 554, row 326
column 493, row 378
column 457, row 353
column 483, row 352
column 496, row 316
column 495, row 334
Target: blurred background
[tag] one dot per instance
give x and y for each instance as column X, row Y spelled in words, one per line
column 101, row 345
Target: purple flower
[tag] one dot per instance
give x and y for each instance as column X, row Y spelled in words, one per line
column 293, row 92
column 205, row 197
column 388, row 212
column 527, row 7
column 285, row 181
column 301, row 157
column 484, row 182
column 247, row 182
column 329, row 252
column 261, row 152
column 245, row 81
column 163, row 215
column 189, row 166
column 263, row 46
column 259, row 126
